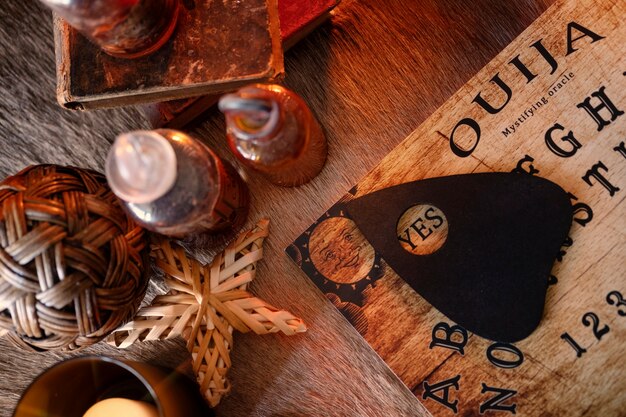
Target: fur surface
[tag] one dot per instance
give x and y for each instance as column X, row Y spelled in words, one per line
column 372, row 76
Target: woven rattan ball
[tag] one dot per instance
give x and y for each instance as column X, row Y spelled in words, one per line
column 71, row 261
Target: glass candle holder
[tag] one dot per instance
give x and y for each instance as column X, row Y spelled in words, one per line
column 70, row 388
column 122, row 28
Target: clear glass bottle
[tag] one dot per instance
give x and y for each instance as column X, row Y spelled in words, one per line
column 272, row 130
column 174, row 185
column 122, row 28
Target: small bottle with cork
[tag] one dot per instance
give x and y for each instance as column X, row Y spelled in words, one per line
column 174, row 185
column 272, row 131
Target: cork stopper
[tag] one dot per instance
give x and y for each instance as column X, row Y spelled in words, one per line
column 249, row 117
column 141, row 166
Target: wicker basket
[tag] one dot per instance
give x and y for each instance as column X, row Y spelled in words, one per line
column 71, row 261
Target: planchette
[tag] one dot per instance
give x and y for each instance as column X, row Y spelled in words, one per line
column 478, row 247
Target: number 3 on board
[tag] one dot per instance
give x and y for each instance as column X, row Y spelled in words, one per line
column 615, row 298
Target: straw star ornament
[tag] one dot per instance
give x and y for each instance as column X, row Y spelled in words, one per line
column 204, row 304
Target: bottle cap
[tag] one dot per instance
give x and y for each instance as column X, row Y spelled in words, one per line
column 141, row 166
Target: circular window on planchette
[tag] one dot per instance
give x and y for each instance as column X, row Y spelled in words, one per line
column 340, row 252
column 422, row 229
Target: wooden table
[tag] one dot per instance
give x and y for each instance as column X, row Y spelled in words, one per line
column 372, row 76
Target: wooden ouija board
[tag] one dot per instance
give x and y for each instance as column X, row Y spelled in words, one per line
column 552, row 104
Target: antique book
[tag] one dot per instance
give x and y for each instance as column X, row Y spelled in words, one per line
column 297, row 19
column 552, row 104
column 216, row 46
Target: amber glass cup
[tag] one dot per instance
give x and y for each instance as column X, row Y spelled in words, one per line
column 272, row 130
column 70, row 388
column 122, row 28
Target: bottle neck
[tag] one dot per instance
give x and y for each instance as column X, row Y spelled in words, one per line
column 86, row 14
column 251, row 118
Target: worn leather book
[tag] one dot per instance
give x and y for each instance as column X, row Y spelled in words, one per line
column 297, row 19
column 217, row 46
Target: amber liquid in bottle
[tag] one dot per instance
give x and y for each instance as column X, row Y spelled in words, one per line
column 122, row 28
column 272, row 130
column 174, row 185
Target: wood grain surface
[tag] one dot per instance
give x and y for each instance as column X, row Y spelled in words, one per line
column 372, row 75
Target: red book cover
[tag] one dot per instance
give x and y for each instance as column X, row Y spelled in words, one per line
column 299, row 17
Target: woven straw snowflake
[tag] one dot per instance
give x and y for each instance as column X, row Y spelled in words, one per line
column 204, row 304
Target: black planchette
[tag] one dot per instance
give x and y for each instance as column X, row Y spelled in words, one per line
column 504, row 232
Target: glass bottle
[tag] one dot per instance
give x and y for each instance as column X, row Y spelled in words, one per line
column 272, row 130
column 174, row 185
column 122, row 28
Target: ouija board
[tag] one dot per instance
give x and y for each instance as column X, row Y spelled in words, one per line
column 552, row 104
